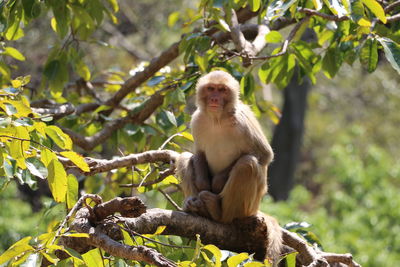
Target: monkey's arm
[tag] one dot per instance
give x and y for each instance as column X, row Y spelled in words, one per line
column 252, row 128
column 201, row 173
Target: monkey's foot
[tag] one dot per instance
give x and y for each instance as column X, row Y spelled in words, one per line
column 212, row 203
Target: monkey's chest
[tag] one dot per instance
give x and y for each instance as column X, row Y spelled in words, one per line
column 222, row 148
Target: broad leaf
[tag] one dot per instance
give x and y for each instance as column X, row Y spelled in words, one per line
column 57, row 180
column 59, row 137
column 36, row 167
column 392, row 52
column 369, row 55
column 376, row 8
column 72, row 192
column 18, row 248
column 12, row 52
column 77, row 159
column 237, row 259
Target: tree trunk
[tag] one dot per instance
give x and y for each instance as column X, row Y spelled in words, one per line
column 287, row 139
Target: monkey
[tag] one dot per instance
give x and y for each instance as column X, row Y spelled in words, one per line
column 225, row 178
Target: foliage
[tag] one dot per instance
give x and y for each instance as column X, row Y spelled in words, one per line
column 34, row 144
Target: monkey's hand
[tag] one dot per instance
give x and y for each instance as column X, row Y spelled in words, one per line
column 195, row 205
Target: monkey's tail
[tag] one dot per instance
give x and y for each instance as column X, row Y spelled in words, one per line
column 274, row 235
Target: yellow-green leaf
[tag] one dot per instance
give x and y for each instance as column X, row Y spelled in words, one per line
column 254, row 264
column 188, row 136
column 12, row 52
column 57, row 180
column 18, row 248
column 46, row 156
column 170, row 180
column 114, row 5
column 160, row 229
column 173, row 18
column 77, row 235
column 77, row 159
column 235, row 260
column 254, row 5
column 59, row 137
column 127, row 238
column 376, row 8
column 317, row 4
column 83, row 70
column 72, row 192
column 93, row 258
column 5, row 70
column 216, row 252
column 273, row 37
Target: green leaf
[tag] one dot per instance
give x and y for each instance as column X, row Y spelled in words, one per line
column 61, row 17
column 72, row 192
column 369, row 55
column 376, row 8
column 247, row 85
column 173, row 18
column 273, row 37
column 171, row 117
column 12, row 52
column 59, row 137
column 36, row 167
column 392, row 52
column 22, row 246
column 155, row 80
column 237, row 259
column 77, row 159
column 57, row 180
column 32, row 8
column 254, row 5
column 331, row 62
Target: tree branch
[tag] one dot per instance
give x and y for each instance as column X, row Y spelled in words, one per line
column 244, row 235
column 102, row 165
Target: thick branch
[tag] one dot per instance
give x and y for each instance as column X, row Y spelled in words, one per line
column 244, row 235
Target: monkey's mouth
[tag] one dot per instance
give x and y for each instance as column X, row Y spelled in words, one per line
column 214, row 107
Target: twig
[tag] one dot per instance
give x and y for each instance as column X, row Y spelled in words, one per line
column 162, row 176
column 28, row 140
column 170, row 200
column 150, row 239
column 77, row 205
column 391, row 6
column 285, row 44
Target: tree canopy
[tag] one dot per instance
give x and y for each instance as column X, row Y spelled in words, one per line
column 84, row 127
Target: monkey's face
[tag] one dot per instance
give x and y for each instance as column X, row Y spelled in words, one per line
column 215, row 96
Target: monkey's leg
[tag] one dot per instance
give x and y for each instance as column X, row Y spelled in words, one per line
column 244, row 189
column 186, row 171
column 201, row 173
column 212, row 203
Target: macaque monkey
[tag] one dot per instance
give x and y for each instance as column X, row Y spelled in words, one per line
column 225, row 178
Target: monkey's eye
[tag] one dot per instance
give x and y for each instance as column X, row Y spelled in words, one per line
column 222, row 89
column 210, row 88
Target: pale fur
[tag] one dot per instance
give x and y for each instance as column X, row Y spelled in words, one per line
column 232, row 135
